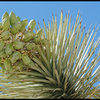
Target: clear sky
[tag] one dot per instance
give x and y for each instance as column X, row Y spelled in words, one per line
column 90, row 11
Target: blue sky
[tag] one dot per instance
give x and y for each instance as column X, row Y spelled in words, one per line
column 89, row 11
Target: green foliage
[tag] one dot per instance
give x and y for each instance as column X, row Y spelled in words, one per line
column 14, row 39
column 52, row 63
column 32, row 25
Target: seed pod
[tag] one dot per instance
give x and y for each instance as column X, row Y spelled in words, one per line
column 16, row 28
column 23, row 25
column 32, row 25
column 5, row 15
column 13, row 18
column 28, row 36
column 26, row 59
column 18, row 18
column 2, row 54
column 30, row 46
column 39, row 33
column 15, row 56
column 1, row 45
column 9, row 49
column 18, row 44
column 5, row 35
column 8, row 65
column 6, row 24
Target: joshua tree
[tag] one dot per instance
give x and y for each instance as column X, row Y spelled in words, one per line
column 49, row 63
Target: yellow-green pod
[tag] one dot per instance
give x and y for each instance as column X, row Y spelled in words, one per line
column 8, row 65
column 18, row 18
column 32, row 25
column 15, row 28
column 6, row 24
column 1, row 45
column 13, row 18
column 30, row 46
column 26, row 59
column 23, row 25
column 9, row 49
column 5, row 15
column 15, row 56
column 2, row 54
column 28, row 36
column 18, row 44
column 39, row 33
column 5, row 35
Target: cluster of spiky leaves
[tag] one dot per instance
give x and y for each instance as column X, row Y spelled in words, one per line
column 62, row 68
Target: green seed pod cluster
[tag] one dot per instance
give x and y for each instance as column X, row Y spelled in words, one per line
column 17, row 42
